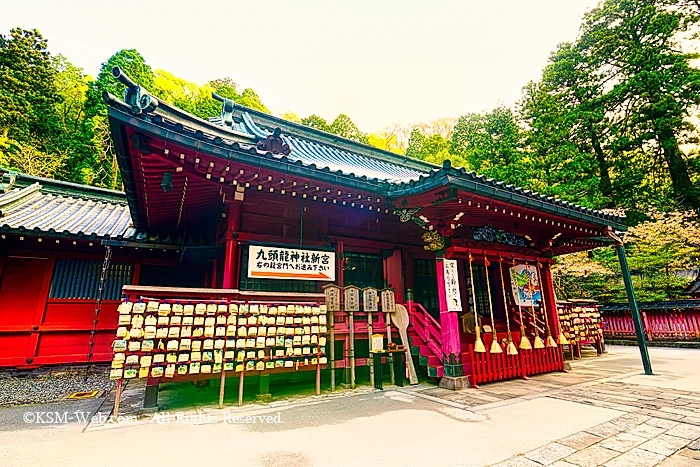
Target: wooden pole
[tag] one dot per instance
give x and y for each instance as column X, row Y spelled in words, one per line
column 331, row 333
column 318, row 374
column 510, row 349
column 222, row 385
column 478, row 343
column 369, row 343
column 118, row 397
column 240, row 386
column 390, row 356
column 351, row 323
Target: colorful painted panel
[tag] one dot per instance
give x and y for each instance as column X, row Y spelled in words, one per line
column 525, row 285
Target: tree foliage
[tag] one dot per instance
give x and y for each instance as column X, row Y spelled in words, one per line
column 53, row 119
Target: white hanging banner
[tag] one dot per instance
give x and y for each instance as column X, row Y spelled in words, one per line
column 272, row 262
column 449, row 269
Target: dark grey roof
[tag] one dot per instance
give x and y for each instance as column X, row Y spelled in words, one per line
column 347, row 161
column 41, row 206
column 693, row 288
column 337, row 159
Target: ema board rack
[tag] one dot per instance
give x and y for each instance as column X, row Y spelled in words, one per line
column 580, row 322
column 168, row 338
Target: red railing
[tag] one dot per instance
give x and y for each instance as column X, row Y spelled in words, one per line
column 427, row 328
column 530, row 322
column 486, row 367
column 683, row 325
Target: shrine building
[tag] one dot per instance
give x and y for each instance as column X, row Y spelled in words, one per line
column 248, row 203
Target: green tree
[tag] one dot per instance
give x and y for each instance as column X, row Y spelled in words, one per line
column 291, row 117
column 97, row 164
column 415, row 143
column 436, row 149
column 568, row 132
column 634, row 48
column 345, row 127
column 28, row 94
column 314, row 121
column 489, row 143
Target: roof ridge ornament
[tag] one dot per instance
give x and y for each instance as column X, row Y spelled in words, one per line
column 274, row 143
column 8, row 181
column 227, row 106
column 135, row 96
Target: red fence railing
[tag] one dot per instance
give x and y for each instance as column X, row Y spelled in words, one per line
column 486, row 366
column 674, row 325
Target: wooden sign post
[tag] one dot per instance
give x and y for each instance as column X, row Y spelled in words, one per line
column 332, row 292
column 370, row 299
column 388, row 307
column 352, row 304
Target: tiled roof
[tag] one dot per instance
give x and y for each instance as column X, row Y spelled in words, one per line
column 655, row 306
column 350, row 162
column 42, row 206
column 693, row 288
column 404, row 179
column 337, row 159
column 56, row 209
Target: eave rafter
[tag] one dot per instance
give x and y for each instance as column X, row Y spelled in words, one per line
column 236, row 178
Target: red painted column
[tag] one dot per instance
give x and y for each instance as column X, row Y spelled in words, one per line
column 394, row 270
column 214, row 273
column 231, row 256
column 548, row 290
column 449, row 325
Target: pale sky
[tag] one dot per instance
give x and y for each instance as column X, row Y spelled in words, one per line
column 377, row 61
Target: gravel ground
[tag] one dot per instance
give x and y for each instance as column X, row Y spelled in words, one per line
column 48, row 385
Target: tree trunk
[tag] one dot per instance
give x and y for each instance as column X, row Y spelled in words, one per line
column 683, row 187
column 605, row 184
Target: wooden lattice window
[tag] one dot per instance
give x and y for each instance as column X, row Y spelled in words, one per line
column 80, row 279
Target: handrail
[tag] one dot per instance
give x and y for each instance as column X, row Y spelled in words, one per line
column 427, row 327
column 426, row 314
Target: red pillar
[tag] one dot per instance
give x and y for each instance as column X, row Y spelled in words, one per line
column 231, row 255
column 548, row 291
column 449, row 324
column 394, row 270
column 214, row 273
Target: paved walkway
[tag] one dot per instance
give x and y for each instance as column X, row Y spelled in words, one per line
column 603, row 412
column 661, row 421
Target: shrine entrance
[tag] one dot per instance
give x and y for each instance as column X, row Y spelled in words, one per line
column 425, row 285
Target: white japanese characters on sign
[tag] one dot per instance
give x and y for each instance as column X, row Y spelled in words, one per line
column 449, row 268
column 270, row 262
column 369, row 299
column 352, row 299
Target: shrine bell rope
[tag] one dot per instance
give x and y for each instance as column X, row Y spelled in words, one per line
column 550, row 341
column 478, row 343
column 510, row 349
column 561, row 339
column 495, row 346
column 524, row 342
column 539, row 344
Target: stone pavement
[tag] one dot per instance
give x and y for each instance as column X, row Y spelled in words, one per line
column 602, row 412
column 661, row 424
